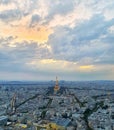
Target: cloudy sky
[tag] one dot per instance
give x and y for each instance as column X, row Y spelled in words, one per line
column 73, row 39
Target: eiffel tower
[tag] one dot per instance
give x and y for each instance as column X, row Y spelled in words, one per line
column 56, row 88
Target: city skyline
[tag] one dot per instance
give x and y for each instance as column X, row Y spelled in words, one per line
column 42, row 39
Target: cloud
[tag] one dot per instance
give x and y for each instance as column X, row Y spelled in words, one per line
column 39, row 34
column 34, row 20
column 72, row 18
column 76, row 45
column 15, row 59
column 45, row 37
column 10, row 15
column 5, row 1
column 59, row 7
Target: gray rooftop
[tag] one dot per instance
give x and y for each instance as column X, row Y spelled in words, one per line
column 3, row 117
column 62, row 121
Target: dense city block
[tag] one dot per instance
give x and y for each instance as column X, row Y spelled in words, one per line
column 53, row 105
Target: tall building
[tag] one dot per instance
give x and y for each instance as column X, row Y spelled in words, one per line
column 56, row 88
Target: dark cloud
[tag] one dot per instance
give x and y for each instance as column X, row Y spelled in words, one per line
column 92, row 29
column 15, row 59
column 5, row 1
column 34, row 20
column 109, row 38
column 10, row 15
column 61, row 7
column 83, row 41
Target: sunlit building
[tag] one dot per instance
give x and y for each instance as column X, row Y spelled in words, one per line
column 58, row 124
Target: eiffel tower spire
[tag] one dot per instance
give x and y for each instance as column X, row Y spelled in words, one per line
column 56, row 88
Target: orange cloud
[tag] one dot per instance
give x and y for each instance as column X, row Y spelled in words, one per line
column 53, row 64
column 86, row 67
column 39, row 35
column 7, row 7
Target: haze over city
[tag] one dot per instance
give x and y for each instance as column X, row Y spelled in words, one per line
column 73, row 39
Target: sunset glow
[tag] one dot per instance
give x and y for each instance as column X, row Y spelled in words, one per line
column 72, row 39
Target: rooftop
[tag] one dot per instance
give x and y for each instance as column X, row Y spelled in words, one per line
column 3, row 117
column 61, row 121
